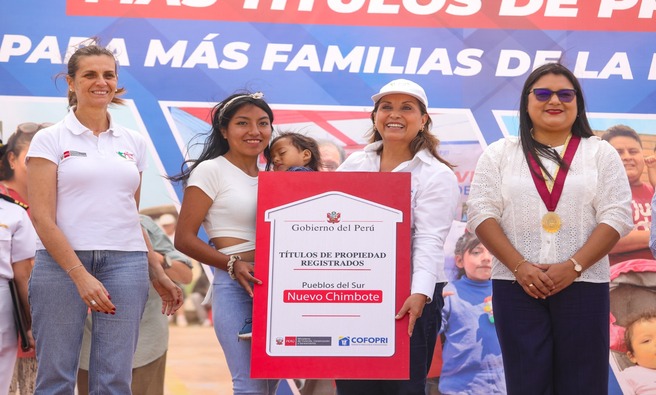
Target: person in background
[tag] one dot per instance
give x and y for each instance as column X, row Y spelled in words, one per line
column 221, row 195
column 640, row 340
column 91, row 255
column 650, row 162
column 168, row 223
column 13, row 171
column 17, row 248
column 402, row 141
column 635, row 245
column 549, row 206
column 149, row 363
column 197, row 297
column 471, row 354
column 13, row 182
column 332, row 155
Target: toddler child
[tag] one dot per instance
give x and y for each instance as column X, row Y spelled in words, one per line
column 640, row 339
column 289, row 151
column 292, row 151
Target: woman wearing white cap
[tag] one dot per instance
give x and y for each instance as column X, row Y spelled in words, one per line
column 401, row 141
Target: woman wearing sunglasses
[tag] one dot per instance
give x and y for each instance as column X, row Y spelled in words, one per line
column 550, row 205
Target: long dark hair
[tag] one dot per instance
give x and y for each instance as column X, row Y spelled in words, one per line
column 581, row 126
column 423, row 140
column 215, row 144
column 302, row 143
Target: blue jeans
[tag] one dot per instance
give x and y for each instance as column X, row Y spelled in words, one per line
column 58, row 315
column 231, row 305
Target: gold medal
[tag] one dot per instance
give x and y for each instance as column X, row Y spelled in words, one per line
column 551, row 222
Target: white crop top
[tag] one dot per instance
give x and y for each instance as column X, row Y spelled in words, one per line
column 234, row 195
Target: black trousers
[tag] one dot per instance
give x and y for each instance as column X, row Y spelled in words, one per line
column 422, row 345
column 559, row 345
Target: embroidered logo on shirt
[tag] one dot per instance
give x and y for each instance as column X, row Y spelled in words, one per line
column 126, row 155
column 68, row 154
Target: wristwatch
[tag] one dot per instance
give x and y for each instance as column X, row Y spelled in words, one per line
column 577, row 267
column 167, row 264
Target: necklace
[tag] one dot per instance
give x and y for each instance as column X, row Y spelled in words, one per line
column 550, row 181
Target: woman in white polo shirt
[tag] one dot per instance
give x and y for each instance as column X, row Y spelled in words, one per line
column 84, row 179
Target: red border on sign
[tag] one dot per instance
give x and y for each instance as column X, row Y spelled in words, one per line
column 279, row 188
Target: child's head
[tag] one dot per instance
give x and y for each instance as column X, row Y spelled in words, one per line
column 640, row 339
column 473, row 260
column 291, row 149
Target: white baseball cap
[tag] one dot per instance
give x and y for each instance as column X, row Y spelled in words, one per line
column 402, row 86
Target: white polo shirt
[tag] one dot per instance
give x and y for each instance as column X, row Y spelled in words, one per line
column 17, row 237
column 97, row 178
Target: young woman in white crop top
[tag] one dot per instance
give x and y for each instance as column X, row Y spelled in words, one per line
column 221, row 195
column 84, row 179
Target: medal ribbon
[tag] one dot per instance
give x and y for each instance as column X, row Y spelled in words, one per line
column 551, row 198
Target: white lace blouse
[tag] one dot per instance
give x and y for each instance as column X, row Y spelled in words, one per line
column 596, row 191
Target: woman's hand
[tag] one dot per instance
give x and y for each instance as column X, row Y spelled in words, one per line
column 30, row 339
column 414, row 307
column 534, row 280
column 170, row 293
column 243, row 272
column 92, row 291
column 562, row 274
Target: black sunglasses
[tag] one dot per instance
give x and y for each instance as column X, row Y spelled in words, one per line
column 32, row 127
column 564, row 95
